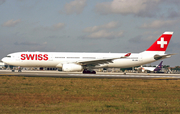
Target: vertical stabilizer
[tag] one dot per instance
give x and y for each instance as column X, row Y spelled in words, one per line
column 159, row 67
column 161, row 43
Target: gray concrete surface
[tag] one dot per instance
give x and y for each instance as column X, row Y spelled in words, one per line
column 58, row 74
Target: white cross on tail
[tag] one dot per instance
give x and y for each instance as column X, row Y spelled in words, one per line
column 162, row 42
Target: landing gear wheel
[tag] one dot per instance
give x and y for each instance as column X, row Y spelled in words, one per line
column 93, row 72
column 85, row 71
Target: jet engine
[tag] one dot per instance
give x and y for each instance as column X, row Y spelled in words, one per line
column 71, row 67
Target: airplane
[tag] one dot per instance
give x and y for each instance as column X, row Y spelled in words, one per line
column 157, row 69
column 86, row 62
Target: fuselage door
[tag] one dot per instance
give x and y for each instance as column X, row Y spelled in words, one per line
column 50, row 57
column 140, row 57
column 16, row 57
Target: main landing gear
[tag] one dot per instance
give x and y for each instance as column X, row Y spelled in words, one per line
column 85, row 71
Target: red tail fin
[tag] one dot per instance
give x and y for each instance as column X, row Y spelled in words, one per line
column 161, row 43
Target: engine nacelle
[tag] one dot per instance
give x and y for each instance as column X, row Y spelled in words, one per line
column 71, row 67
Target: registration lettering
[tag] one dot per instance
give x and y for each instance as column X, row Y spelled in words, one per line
column 34, row 57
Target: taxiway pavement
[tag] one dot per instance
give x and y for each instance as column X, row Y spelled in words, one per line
column 58, row 74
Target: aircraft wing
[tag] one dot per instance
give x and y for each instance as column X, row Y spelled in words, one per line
column 100, row 61
column 158, row 57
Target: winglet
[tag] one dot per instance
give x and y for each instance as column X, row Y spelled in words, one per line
column 128, row 54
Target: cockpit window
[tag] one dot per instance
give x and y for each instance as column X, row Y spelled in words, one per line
column 8, row 56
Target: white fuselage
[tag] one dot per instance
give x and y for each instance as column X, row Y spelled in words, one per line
column 151, row 69
column 57, row 59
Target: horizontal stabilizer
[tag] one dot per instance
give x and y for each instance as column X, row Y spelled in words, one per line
column 158, row 57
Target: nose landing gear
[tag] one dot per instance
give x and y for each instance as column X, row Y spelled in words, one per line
column 19, row 69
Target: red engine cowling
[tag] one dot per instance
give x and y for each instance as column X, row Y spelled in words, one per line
column 71, row 67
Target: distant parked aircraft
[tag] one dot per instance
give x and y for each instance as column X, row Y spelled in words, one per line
column 158, row 68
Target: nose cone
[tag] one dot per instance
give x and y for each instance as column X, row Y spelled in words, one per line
column 4, row 60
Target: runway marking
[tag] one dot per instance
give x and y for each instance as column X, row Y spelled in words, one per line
column 124, row 76
column 98, row 75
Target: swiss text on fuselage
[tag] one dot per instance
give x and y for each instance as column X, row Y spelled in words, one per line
column 34, row 57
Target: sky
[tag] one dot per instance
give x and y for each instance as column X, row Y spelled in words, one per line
column 116, row 26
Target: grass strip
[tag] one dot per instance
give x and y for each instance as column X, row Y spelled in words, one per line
column 82, row 95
